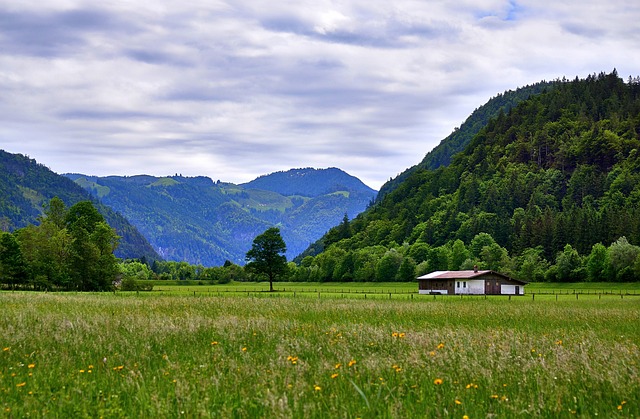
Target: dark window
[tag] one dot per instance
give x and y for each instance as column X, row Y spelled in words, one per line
column 464, row 285
column 458, row 284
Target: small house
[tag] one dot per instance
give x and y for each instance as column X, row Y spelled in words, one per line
column 469, row 282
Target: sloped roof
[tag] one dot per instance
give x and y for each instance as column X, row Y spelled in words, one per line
column 464, row 275
column 453, row 274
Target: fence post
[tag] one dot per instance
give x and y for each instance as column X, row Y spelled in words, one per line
column 577, row 296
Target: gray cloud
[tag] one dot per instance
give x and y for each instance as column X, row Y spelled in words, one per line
column 233, row 90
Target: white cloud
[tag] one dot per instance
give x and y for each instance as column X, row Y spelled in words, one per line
column 234, row 90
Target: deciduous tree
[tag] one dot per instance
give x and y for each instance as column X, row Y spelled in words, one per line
column 266, row 256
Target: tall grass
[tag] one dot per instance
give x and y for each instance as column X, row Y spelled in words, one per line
column 106, row 355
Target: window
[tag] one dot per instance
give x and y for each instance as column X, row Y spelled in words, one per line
column 464, row 285
column 458, row 286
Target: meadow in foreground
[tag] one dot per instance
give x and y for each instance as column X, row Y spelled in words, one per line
column 65, row 355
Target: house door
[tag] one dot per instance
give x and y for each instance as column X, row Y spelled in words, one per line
column 517, row 289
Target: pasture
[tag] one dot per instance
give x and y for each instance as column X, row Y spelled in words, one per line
column 155, row 354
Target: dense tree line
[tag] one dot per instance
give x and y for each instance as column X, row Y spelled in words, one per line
column 71, row 249
column 618, row 262
column 561, row 168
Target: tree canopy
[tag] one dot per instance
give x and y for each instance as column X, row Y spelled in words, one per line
column 266, row 256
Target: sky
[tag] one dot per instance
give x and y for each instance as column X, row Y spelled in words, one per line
column 236, row 89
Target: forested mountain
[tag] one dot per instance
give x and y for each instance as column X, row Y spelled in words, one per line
column 26, row 186
column 309, row 182
column 533, row 194
column 457, row 141
column 205, row 222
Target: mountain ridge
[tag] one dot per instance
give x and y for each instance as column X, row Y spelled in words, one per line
column 205, row 222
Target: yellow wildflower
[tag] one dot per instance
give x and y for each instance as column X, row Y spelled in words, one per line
column 244, row 349
column 458, row 402
column 351, row 363
column 90, row 367
column 6, row 349
column 559, row 342
column 338, row 365
column 437, row 381
column 334, row 375
column 81, row 371
column 432, row 353
column 118, row 368
column 440, row 345
column 317, row 388
column 494, row 396
column 31, row 365
column 214, row 343
column 24, row 383
column 394, row 334
column 401, row 335
column 465, row 417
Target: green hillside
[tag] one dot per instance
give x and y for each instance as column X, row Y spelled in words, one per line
column 26, row 185
column 457, row 141
column 561, row 168
column 202, row 222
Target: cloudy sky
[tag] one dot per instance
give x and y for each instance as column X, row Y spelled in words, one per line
column 236, row 89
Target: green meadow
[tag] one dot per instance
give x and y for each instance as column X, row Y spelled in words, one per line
column 159, row 354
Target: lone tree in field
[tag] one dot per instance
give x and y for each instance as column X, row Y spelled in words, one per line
column 266, row 255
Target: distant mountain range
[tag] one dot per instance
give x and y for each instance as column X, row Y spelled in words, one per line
column 197, row 220
column 26, row 186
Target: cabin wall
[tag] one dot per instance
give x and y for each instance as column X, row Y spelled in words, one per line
column 435, row 287
column 469, row 286
column 508, row 289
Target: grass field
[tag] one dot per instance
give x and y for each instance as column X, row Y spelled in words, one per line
column 153, row 355
column 186, row 287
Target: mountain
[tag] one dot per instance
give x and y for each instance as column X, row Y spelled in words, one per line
column 309, row 182
column 26, row 185
column 197, row 220
column 456, row 142
column 559, row 172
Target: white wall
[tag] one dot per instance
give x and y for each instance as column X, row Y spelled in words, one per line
column 474, row 286
column 511, row 289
